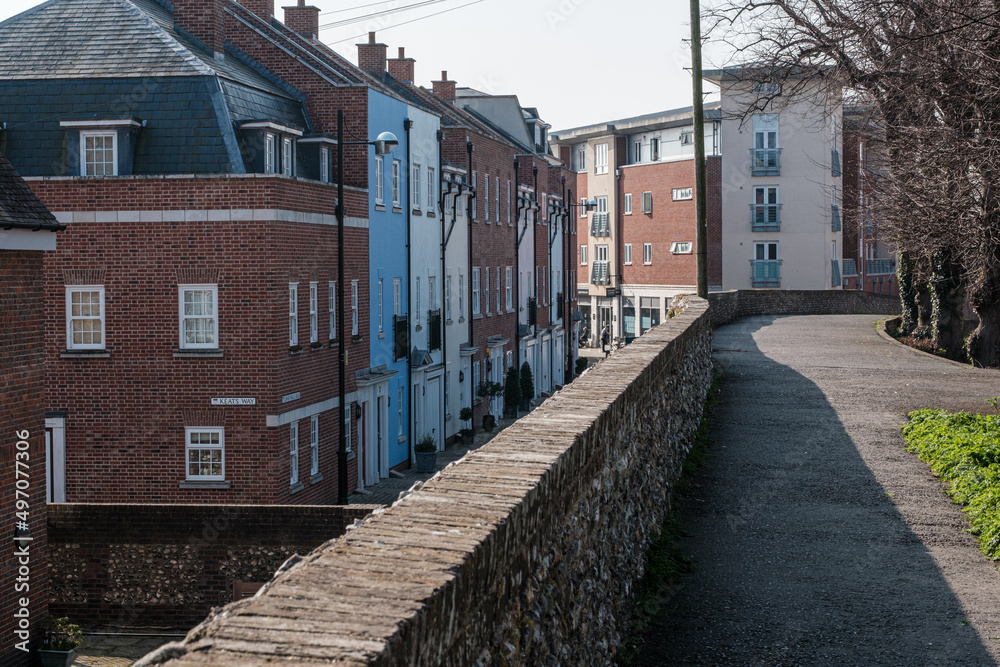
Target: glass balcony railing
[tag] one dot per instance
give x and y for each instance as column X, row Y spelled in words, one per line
column 765, row 161
column 765, row 217
column 850, row 268
column 836, row 280
column 879, row 266
column 835, row 223
column 599, row 226
column 765, row 273
column 600, row 274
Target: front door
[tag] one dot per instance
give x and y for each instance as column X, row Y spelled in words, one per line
column 603, row 320
column 432, row 411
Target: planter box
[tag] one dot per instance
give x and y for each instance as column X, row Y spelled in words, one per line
column 52, row 658
column 426, row 461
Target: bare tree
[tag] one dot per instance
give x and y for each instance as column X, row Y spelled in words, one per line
column 929, row 70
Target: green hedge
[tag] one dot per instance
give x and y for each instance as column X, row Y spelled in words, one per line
column 963, row 450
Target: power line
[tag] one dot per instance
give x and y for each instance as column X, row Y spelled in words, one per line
column 351, row 9
column 383, row 12
column 443, row 11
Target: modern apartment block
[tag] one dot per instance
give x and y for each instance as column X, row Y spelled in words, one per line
column 781, row 182
column 636, row 249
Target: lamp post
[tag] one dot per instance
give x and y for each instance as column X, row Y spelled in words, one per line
column 565, row 209
column 384, row 144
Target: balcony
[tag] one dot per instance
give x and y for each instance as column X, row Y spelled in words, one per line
column 765, row 217
column 836, row 280
column 835, row 224
column 835, row 162
column 599, row 225
column 765, row 273
column 850, row 268
column 874, row 267
column 765, row 161
column 600, row 274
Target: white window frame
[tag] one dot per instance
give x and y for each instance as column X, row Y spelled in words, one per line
column 100, row 318
column 583, row 207
column 476, row 308
column 486, row 199
column 431, row 292
column 395, row 183
column 602, row 203
column 601, row 158
column 601, row 252
column 293, row 451
column 510, row 288
column 583, row 255
column 214, row 317
column 628, row 204
column 654, row 149
column 430, row 189
column 416, row 302
column 496, row 201
column 461, row 296
column 313, row 312
column 475, row 196
column 287, row 156
column 399, row 410
column 647, row 253
column 681, row 247
column 94, row 134
column 354, row 307
column 415, row 187
column 314, row 445
column 270, row 152
column 221, row 446
column 324, row 164
column 293, row 314
column 486, row 288
column 628, row 253
column 647, row 202
column 499, row 309
column 347, row 426
column 447, row 296
column 581, row 158
column 508, row 203
column 682, row 194
column 637, row 152
column 397, row 296
column 379, row 178
column 332, row 301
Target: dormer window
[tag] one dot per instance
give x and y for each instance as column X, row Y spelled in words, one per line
column 102, row 147
column 271, row 147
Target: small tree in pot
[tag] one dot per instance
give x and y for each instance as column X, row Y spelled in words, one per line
column 490, row 390
column 426, row 453
column 466, row 415
column 59, row 641
column 512, row 391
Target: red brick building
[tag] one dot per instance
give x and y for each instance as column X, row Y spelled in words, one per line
column 25, row 235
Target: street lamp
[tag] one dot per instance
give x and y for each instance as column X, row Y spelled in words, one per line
column 384, row 144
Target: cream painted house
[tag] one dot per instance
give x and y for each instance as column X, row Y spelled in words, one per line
column 781, row 184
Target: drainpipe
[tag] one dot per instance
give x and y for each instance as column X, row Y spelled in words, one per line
column 619, row 249
column 468, row 218
column 444, row 327
column 521, row 205
column 553, row 230
column 569, row 221
column 407, row 125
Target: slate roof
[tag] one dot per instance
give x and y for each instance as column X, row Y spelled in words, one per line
column 19, row 205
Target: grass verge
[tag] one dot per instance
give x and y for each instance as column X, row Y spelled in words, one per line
column 665, row 564
column 963, row 449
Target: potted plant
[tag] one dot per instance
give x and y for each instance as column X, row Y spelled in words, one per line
column 490, row 390
column 426, row 453
column 527, row 387
column 512, row 392
column 59, row 641
column 466, row 415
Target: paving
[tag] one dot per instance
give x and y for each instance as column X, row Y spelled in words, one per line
column 116, row 647
column 816, row 538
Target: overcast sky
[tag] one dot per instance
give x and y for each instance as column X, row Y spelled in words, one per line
column 577, row 61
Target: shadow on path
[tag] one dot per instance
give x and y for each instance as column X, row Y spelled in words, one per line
column 804, row 555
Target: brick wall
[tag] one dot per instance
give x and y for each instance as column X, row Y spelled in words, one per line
column 22, row 299
column 168, row 565
column 522, row 554
column 126, row 412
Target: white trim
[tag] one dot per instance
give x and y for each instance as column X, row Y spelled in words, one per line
column 275, row 421
column 25, row 239
column 293, row 452
column 221, row 446
column 93, row 134
column 55, row 460
column 318, row 140
column 203, row 215
column 268, row 125
column 128, row 122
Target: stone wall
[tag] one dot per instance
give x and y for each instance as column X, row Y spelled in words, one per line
column 727, row 307
column 168, row 565
column 525, row 552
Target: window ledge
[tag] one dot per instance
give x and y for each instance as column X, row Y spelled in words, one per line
column 191, row 484
column 381, row 335
column 379, row 207
column 431, row 214
column 461, row 319
column 316, row 479
column 294, row 349
column 418, row 328
column 417, row 211
column 477, row 317
column 351, row 456
column 448, row 322
column 315, row 345
column 397, row 209
column 198, row 354
column 357, row 339
column 401, row 439
column 85, row 354
column 296, row 487
column 447, row 417
column 334, row 342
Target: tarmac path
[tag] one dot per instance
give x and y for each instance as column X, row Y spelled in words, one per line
column 817, row 539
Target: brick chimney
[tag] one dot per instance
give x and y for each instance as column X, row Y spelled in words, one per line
column 444, row 89
column 262, row 8
column 302, row 19
column 402, row 68
column 202, row 19
column 371, row 56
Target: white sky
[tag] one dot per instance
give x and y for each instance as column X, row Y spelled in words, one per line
column 578, row 61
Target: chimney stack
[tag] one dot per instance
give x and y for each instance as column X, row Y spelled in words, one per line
column 202, row 19
column 402, row 68
column 262, row 8
column 303, row 20
column 372, row 56
column 444, row 89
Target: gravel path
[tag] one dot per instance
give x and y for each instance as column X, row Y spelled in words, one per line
column 817, row 539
